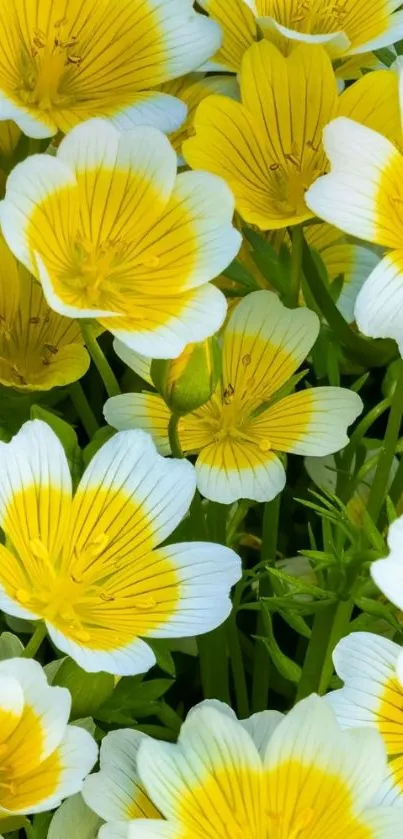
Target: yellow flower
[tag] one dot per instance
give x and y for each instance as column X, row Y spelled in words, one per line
column 343, row 27
column 63, row 63
column 90, row 566
column 298, row 777
column 43, row 760
column 192, row 89
column 113, row 233
column 39, row 349
column 372, row 696
column 238, row 432
column 269, row 147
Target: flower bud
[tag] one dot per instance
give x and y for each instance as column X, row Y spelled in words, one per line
column 188, row 382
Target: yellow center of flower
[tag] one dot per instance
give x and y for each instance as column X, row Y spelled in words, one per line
column 320, row 16
column 47, row 70
column 291, row 177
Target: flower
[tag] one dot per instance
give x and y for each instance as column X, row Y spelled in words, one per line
column 249, row 418
column 192, row 89
column 269, row 147
column 64, row 64
column 113, row 233
column 343, row 27
column 43, row 760
column 297, row 777
column 115, row 793
column 89, row 566
column 38, row 348
column 372, row 696
column 363, row 196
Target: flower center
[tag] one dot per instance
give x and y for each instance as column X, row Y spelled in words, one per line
column 53, row 59
column 292, row 177
column 302, row 822
column 320, row 16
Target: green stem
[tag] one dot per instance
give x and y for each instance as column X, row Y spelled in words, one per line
column 104, row 369
column 83, row 409
column 363, row 350
column 35, row 641
column 329, row 626
column 380, row 483
column 173, row 435
column 344, row 483
column 261, row 663
column 213, row 657
column 396, row 489
column 297, row 238
column 237, row 664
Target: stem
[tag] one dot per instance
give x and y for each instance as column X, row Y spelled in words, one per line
column 380, row 483
column 236, row 658
column 173, row 435
column 35, row 641
column 329, row 626
column 364, row 350
column 212, row 646
column 397, row 485
column 83, row 409
column 344, row 484
column 104, row 369
column 261, row 663
column 297, row 238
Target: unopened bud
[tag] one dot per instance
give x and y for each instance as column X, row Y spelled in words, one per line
column 188, row 382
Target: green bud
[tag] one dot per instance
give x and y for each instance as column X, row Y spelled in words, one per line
column 188, row 382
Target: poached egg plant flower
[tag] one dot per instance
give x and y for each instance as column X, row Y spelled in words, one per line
column 343, row 27
column 42, row 759
column 63, row 63
column 90, row 566
column 299, row 777
column 113, row 233
column 238, row 432
column 372, row 697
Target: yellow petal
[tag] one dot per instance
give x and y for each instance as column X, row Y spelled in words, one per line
column 374, row 101
column 239, row 30
column 269, row 149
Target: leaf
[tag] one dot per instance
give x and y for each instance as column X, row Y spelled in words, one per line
column 88, row 690
column 10, row 646
column 67, row 437
column 100, row 437
column 285, row 666
column 267, row 260
column 239, row 274
column 378, row 610
column 160, row 648
column 74, row 819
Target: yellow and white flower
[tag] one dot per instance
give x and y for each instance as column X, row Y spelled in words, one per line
column 61, row 64
column 43, row 760
column 372, row 697
column 343, row 27
column 297, row 777
column 238, row 432
column 39, row 349
column 90, row 566
column 363, row 196
column 116, row 793
column 113, row 233
column 268, row 147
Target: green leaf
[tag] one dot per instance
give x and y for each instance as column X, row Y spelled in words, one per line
column 74, row 819
column 284, row 665
column 12, row 823
column 100, row 437
column 10, row 646
column 67, row 437
column 267, row 260
column 160, row 648
column 378, row 610
column 239, row 274
column 88, row 690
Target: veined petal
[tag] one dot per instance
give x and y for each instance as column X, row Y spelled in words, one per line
column 261, row 727
column 264, row 344
column 335, row 43
column 310, row 422
column 11, row 705
column 373, row 101
column 143, row 829
column 140, row 364
column 115, row 792
column 239, row 29
column 363, row 193
column 57, row 777
column 112, row 653
column 131, row 497
column 153, row 109
column 35, row 503
column 210, row 780
column 140, row 410
column 379, row 302
column 355, row 264
column 233, row 469
column 310, row 760
column 30, row 184
column 205, row 574
column 388, row 573
column 268, row 171
column 161, row 327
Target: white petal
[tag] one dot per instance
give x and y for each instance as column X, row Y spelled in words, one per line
column 140, row 410
column 158, row 110
column 74, row 818
column 140, row 364
column 227, row 472
column 111, row 792
column 130, row 660
column 379, row 303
